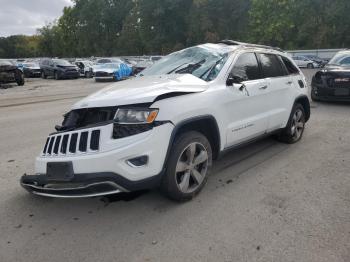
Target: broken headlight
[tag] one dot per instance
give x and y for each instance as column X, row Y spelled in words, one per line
column 135, row 116
column 133, row 121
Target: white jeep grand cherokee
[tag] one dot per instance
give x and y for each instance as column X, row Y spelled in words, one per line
column 164, row 127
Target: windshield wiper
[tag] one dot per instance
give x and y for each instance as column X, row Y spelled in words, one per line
column 188, row 69
column 176, row 68
column 210, row 69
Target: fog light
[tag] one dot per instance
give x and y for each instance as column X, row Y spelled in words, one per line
column 138, row 161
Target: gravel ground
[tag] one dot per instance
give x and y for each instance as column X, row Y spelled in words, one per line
column 265, row 202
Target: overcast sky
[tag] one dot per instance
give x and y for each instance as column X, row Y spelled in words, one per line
column 25, row 16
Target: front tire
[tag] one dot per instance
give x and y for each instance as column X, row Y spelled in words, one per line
column 188, row 166
column 310, row 66
column 295, row 127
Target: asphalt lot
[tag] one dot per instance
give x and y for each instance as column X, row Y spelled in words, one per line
column 265, row 202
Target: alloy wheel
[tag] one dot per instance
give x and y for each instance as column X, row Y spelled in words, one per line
column 298, row 124
column 191, row 167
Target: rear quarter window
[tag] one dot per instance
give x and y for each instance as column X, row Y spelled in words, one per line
column 291, row 69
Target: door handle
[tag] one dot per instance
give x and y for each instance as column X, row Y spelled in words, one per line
column 289, row 83
column 263, row 87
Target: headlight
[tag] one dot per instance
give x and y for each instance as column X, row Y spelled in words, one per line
column 135, row 116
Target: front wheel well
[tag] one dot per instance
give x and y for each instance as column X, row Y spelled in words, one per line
column 205, row 125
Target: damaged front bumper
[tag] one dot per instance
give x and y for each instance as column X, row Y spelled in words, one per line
column 85, row 185
column 116, row 165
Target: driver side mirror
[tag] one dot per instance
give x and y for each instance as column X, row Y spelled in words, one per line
column 231, row 80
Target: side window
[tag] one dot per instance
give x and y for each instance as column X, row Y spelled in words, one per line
column 289, row 65
column 246, row 67
column 271, row 66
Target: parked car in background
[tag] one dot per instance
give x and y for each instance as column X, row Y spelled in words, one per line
column 85, row 68
column 333, row 82
column 112, row 72
column 305, row 62
column 58, row 68
column 164, row 129
column 320, row 61
column 117, row 60
column 142, row 64
column 30, row 69
column 109, row 60
column 10, row 73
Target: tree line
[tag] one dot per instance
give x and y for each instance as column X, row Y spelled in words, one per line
column 139, row 27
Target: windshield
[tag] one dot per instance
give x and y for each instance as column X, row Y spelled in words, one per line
column 198, row 61
column 62, row 62
column 340, row 59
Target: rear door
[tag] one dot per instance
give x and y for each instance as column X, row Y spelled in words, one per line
column 247, row 109
column 279, row 89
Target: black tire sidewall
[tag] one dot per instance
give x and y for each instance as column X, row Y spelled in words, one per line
column 286, row 135
column 168, row 184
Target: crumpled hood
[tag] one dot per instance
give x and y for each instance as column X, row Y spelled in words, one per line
column 142, row 90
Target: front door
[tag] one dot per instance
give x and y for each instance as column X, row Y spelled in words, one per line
column 248, row 103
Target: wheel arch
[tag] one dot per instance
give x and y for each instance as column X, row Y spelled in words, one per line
column 304, row 101
column 205, row 124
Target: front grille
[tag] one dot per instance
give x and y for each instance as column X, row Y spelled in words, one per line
column 95, row 138
column 75, row 142
column 83, row 141
column 342, row 84
column 103, row 74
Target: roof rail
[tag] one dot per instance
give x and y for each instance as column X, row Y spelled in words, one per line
column 232, row 42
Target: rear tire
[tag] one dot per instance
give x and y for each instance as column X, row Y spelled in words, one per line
column 188, row 166
column 295, row 127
